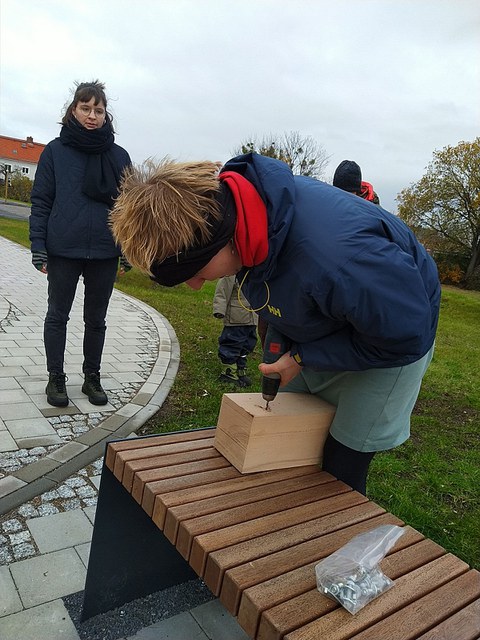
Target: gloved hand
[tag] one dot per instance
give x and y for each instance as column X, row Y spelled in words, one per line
column 39, row 260
column 218, row 315
column 124, row 265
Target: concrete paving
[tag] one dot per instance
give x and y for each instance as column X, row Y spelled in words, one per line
column 51, row 458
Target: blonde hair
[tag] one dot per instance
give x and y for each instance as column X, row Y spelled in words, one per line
column 163, row 209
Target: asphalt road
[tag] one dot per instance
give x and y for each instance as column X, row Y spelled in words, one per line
column 16, row 211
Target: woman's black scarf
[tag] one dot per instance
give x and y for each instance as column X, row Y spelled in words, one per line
column 102, row 175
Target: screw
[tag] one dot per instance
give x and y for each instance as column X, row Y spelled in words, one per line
column 350, row 605
column 333, row 589
column 350, row 590
column 358, row 588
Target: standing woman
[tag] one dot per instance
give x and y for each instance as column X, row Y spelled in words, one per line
column 75, row 185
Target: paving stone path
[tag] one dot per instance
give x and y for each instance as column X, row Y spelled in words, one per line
column 51, row 460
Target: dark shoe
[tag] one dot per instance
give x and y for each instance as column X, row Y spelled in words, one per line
column 56, row 390
column 243, row 379
column 229, row 375
column 93, row 389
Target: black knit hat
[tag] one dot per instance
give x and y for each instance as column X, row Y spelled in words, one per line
column 348, row 176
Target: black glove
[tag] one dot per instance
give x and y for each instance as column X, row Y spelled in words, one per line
column 39, row 259
column 218, row 315
column 124, row 264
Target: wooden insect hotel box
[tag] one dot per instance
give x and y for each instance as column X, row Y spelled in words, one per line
column 291, row 433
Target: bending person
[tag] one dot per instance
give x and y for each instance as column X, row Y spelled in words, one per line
column 349, row 284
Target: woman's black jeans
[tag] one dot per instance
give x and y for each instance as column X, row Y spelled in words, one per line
column 63, row 275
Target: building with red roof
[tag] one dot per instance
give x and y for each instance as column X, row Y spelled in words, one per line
column 20, row 155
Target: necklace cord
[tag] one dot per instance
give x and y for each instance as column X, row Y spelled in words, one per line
column 240, row 290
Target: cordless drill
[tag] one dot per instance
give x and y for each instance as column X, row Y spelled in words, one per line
column 275, row 346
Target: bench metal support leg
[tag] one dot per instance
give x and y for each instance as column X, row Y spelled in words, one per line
column 129, row 556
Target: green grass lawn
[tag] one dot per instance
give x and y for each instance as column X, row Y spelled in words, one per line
column 431, row 482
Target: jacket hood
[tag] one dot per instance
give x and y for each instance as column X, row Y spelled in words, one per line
column 275, row 184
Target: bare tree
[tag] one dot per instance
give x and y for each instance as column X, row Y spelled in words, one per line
column 302, row 154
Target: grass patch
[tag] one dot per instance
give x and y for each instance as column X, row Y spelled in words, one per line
column 15, row 230
column 195, row 397
column 432, row 482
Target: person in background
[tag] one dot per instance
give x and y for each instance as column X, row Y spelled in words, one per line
column 75, row 185
column 348, row 285
column 239, row 335
column 348, row 177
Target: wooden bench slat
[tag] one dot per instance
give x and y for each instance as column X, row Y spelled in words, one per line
column 422, row 613
column 173, row 498
column 297, row 611
column 152, row 489
column 239, row 578
column 278, row 590
column 149, row 458
column 187, row 468
column 192, row 455
column 160, row 447
column 188, row 529
column 148, row 476
column 220, row 561
column 340, row 624
column 249, row 531
column 152, row 441
column 275, row 595
column 463, row 625
column 243, row 498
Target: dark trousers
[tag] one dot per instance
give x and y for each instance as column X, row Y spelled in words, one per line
column 347, row 465
column 63, row 276
column 236, row 342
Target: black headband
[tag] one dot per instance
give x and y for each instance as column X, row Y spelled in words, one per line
column 184, row 265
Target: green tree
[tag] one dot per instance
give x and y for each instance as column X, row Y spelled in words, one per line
column 444, row 205
column 20, row 187
column 302, row 154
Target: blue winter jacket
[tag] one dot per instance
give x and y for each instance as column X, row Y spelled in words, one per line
column 64, row 221
column 346, row 281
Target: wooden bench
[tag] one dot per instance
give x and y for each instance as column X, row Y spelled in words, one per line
column 172, row 508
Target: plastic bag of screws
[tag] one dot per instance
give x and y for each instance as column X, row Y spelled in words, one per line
column 351, row 575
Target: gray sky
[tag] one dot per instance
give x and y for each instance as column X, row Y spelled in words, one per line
column 382, row 82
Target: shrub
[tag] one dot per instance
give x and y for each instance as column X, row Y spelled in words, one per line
column 451, row 267
column 19, row 187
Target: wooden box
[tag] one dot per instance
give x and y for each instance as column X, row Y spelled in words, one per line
column 290, row 434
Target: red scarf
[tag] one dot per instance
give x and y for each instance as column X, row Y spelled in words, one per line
column 366, row 191
column 251, row 238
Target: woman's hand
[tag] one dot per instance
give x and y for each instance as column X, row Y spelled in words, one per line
column 125, row 266
column 40, row 260
column 286, row 366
